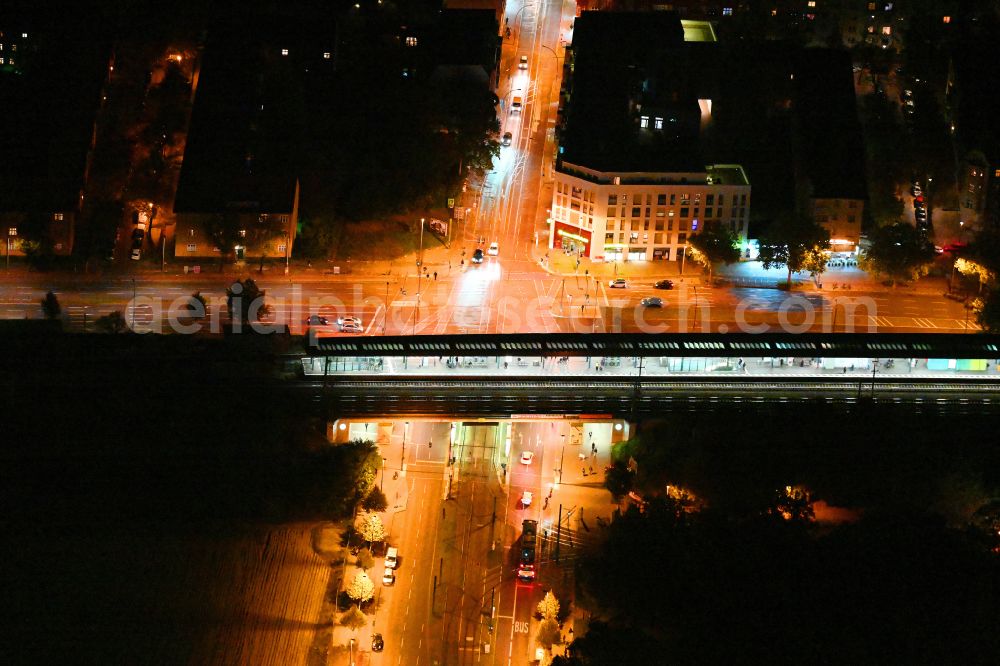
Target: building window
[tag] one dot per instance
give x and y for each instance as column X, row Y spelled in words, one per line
column 609, row 238
column 284, row 52
column 811, row 4
column 709, row 199
column 191, row 233
column 411, row 41
column 636, row 211
column 727, row 11
column 851, row 219
column 612, row 199
column 192, row 247
column 57, row 217
column 685, row 212
column 281, row 248
column 658, row 123
column 644, row 122
column 12, row 231
column 326, row 55
column 243, row 233
column 946, row 19
column 673, row 199
column 661, row 199
column 887, row 30
column 283, row 219
column 1, row 60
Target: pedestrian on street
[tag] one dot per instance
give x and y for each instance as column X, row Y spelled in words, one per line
column 435, row 275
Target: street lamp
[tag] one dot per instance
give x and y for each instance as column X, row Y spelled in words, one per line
column 402, row 455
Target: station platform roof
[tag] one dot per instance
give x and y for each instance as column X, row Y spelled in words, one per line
column 810, row 345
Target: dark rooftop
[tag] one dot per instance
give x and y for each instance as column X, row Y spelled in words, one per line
column 830, row 144
column 49, row 110
column 245, row 142
column 628, row 65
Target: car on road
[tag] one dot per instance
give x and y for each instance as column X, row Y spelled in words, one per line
column 136, row 253
column 527, row 457
column 377, row 643
column 652, row 302
column 392, row 558
column 507, row 138
column 916, row 190
column 350, row 324
column 618, row 283
column 663, row 284
column 526, row 498
column 388, row 576
column 316, row 320
column 523, row 64
column 920, row 213
column 138, row 235
column 477, row 256
column 918, row 201
column 529, row 529
column 494, row 249
column 526, row 566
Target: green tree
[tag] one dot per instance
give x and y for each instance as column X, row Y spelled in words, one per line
column 224, row 230
column 365, row 558
column 548, row 633
column 375, row 501
column 197, row 305
column 619, row 479
column 987, row 311
column 245, row 301
column 354, row 618
column 51, row 307
column 371, row 529
column 548, row 607
column 796, row 242
column 716, row 244
column 362, row 588
column 113, row 322
column 898, row 251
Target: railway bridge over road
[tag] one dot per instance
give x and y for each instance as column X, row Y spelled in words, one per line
column 634, row 374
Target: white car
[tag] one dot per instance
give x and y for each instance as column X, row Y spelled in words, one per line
column 523, row 64
column 618, row 283
column 526, row 498
column 494, row 249
column 350, row 324
column 388, row 577
column 527, row 457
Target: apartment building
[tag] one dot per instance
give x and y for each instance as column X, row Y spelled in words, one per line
column 635, row 216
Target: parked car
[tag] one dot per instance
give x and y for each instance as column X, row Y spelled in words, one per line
column 652, row 302
column 526, row 498
column 392, row 558
column 664, row 284
column 507, row 138
column 523, row 64
column 136, row 253
column 316, row 320
column 477, row 256
column 618, row 283
column 138, row 235
column 388, row 576
column 527, row 457
column 350, row 324
column 377, row 643
column 494, row 249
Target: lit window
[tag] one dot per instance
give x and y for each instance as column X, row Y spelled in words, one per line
column 24, row 35
column 727, row 11
column 192, row 247
column 871, row 30
column 57, row 217
column 946, row 19
column 871, row 6
column 644, row 122
column 411, row 41
column 1, row 60
column 774, row 12
column 284, row 52
column 1, row 46
column 996, row 174
column 326, row 55
column 281, row 248
column 658, row 123
column 12, row 231
column 887, row 30
column 243, row 233
column 811, row 3
column 191, row 233
column 10, row 61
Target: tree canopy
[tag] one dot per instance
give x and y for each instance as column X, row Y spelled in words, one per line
column 362, row 588
column 716, row 244
column 372, row 529
column 898, row 251
column 795, row 242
